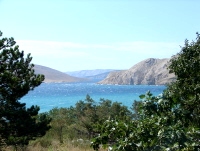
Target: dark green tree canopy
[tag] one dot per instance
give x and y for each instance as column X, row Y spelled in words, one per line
column 16, row 72
column 185, row 91
column 186, row 66
column 18, row 124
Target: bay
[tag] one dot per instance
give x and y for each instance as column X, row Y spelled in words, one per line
column 51, row 95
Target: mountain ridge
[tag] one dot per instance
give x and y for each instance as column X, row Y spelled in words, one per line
column 150, row 71
column 88, row 73
column 52, row 75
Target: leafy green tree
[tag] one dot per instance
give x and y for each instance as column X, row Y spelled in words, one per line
column 86, row 113
column 18, row 124
column 62, row 119
column 186, row 89
column 92, row 114
column 129, row 133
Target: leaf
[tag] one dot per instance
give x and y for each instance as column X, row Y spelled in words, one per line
column 142, row 96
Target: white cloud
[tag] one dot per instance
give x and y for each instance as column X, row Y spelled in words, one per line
column 51, row 48
column 72, row 49
column 150, row 48
column 93, row 56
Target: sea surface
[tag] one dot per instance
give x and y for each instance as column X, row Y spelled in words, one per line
column 51, row 95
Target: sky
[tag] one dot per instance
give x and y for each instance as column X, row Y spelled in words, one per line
column 72, row 35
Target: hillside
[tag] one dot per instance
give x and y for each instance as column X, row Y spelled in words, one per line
column 91, row 75
column 98, row 77
column 88, row 73
column 52, row 75
column 150, row 71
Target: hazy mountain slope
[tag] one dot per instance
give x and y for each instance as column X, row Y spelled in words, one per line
column 98, row 77
column 52, row 75
column 88, row 73
column 150, row 71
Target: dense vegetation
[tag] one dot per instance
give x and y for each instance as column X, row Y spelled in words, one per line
column 80, row 123
column 170, row 121
column 18, row 124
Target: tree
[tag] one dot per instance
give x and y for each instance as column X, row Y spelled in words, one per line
column 86, row 113
column 186, row 89
column 61, row 121
column 167, row 122
column 18, row 124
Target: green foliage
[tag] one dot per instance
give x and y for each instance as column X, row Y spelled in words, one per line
column 62, row 119
column 186, row 89
column 84, row 120
column 170, row 121
column 18, row 124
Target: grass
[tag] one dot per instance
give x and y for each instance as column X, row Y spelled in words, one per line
column 41, row 145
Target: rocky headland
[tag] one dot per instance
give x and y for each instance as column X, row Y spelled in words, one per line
column 147, row 72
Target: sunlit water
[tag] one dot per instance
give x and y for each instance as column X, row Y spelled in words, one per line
column 50, row 95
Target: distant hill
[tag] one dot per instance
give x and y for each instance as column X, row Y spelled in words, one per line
column 92, row 75
column 52, row 75
column 88, row 73
column 98, row 77
column 150, row 71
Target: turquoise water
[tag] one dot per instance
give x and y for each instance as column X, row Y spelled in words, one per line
column 50, row 95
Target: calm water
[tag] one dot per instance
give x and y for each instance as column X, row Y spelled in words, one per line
column 50, row 95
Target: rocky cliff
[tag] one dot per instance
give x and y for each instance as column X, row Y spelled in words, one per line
column 150, row 72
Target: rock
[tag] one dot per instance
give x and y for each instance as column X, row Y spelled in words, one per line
column 148, row 72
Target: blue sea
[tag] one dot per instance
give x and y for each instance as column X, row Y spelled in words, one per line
column 51, row 95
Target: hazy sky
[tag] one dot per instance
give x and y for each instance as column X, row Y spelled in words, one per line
column 70, row 35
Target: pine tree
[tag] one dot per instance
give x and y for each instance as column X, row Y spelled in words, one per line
column 18, row 124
